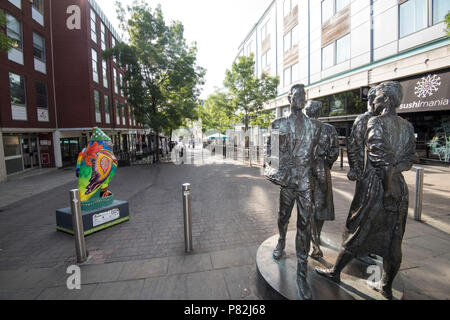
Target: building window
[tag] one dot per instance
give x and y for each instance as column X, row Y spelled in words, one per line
column 117, row 112
column 331, row 7
column 116, row 83
column 336, row 52
column 14, row 30
column 440, row 10
column 17, row 87
column 122, row 93
column 105, row 73
column 38, row 5
column 113, row 40
column 265, row 59
column 38, row 47
column 123, row 114
column 291, row 74
column 93, row 26
column 264, row 32
column 413, row 16
column 291, row 38
column 94, row 66
column 41, row 95
column 98, row 112
column 287, row 7
column 103, row 36
column 107, row 110
column 17, row 3
column 343, row 49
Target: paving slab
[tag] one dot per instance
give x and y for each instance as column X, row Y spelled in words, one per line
column 123, row 290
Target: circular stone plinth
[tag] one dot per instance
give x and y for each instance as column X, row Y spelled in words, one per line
column 281, row 275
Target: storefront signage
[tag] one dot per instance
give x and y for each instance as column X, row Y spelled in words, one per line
column 427, row 92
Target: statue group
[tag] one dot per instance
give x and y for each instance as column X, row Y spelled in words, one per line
column 380, row 148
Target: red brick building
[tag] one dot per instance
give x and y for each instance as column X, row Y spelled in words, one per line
column 55, row 86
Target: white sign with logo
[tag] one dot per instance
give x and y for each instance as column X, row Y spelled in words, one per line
column 42, row 115
column 102, row 218
column 429, row 92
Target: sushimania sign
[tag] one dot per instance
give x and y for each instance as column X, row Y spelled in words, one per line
column 427, row 92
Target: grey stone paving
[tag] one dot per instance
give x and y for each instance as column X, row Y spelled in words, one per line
column 234, row 211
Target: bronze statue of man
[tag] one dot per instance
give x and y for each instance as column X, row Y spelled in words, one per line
column 377, row 218
column 356, row 150
column 327, row 154
column 298, row 140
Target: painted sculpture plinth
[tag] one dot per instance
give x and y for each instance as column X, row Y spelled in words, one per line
column 96, row 167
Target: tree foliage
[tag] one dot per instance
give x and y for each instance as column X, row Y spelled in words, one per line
column 162, row 77
column 6, row 43
column 248, row 93
column 217, row 114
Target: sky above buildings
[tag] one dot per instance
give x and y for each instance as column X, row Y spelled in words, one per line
column 217, row 26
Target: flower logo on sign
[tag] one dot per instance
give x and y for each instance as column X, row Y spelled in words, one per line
column 427, row 86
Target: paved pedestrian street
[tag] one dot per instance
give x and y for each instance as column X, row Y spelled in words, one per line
column 234, row 210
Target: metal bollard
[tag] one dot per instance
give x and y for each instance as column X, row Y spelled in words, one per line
column 419, row 194
column 342, row 158
column 187, row 217
column 78, row 229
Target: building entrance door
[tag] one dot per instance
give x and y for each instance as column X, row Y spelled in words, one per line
column 30, row 152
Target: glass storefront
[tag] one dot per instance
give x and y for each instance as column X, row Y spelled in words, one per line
column 21, row 152
column 70, row 149
column 341, row 104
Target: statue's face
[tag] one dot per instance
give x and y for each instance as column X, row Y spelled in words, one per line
column 297, row 100
column 380, row 102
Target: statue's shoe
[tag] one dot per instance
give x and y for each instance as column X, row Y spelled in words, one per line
column 385, row 292
column 329, row 274
column 304, row 289
column 278, row 252
column 317, row 254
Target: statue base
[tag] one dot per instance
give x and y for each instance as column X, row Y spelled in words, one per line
column 281, row 275
column 94, row 220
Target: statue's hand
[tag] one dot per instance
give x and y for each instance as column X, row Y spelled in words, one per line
column 352, row 175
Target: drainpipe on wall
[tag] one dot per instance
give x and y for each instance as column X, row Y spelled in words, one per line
column 3, row 175
column 57, row 133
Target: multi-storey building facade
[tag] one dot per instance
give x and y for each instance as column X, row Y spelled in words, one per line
column 338, row 48
column 27, row 102
column 55, row 85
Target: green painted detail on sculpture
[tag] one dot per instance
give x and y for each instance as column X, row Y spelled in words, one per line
column 97, row 229
column 96, row 166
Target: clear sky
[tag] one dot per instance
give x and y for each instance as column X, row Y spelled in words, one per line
column 218, row 27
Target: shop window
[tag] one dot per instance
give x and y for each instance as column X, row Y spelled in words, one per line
column 11, row 146
column 94, row 66
column 98, row 113
column 116, row 83
column 291, row 74
column 290, row 39
column 328, row 56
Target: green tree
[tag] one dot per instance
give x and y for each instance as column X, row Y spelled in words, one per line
column 6, row 43
column 162, row 77
column 247, row 93
column 447, row 22
column 217, row 114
